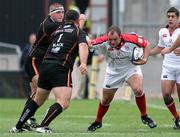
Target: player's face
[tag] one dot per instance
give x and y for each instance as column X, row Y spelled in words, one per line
column 58, row 16
column 172, row 19
column 114, row 39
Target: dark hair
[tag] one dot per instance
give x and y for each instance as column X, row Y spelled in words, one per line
column 173, row 9
column 113, row 29
column 71, row 15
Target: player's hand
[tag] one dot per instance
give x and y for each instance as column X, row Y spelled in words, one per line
column 101, row 58
column 90, row 43
column 140, row 61
column 177, row 52
column 165, row 51
column 83, row 68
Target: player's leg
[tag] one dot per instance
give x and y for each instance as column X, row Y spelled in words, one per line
column 169, row 77
column 178, row 91
column 167, row 89
column 30, row 109
column 63, row 96
column 107, row 97
column 61, row 82
column 33, row 74
column 32, row 71
column 178, row 83
column 136, row 83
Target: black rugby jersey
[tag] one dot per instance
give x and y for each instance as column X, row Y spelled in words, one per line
column 47, row 27
column 65, row 45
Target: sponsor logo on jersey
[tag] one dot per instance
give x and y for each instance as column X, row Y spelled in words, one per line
column 127, row 48
column 165, row 76
column 67, row 26
column 108, row 86
column 68, row 30
column 170, row 40
column 164, row 35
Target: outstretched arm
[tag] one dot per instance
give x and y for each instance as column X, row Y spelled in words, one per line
column 156, row 50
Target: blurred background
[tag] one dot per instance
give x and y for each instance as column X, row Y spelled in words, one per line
column 20, row 18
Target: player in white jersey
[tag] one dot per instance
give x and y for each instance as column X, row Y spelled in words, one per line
column 117, row 48
column 171, row 63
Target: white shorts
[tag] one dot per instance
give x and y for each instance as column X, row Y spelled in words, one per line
column 170, row 73
column 113, row 81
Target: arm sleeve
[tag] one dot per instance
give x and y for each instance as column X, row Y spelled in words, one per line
column 160, row 42
column 99, row 40
column 82, row 37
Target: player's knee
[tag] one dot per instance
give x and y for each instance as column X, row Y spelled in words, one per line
column 167, row 98
column 38, row 101
column 137, row 91
column 64, row 105
column 105, row 101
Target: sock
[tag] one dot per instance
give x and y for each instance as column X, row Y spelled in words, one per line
column 101, row 112
column 52, row 113
column 28, row 111
column 172, row 108
column 141, row 103
column 28, row 100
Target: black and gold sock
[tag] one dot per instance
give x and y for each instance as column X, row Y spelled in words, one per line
column 52, row 113
column 28, row 111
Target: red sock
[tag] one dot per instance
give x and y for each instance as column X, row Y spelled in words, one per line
column 172, row 108
column 101, row 112
column 141, row 103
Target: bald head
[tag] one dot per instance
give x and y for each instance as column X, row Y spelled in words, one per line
column 114, row 36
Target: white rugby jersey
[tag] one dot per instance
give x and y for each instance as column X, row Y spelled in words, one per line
column 166, row 40
column 119, row 59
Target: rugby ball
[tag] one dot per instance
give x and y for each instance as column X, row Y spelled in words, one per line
column 137, row 53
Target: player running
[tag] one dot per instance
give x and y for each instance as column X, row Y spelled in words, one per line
column 117, row 48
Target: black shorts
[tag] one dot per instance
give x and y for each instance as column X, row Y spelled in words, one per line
column 54, row 75
column 32, row 67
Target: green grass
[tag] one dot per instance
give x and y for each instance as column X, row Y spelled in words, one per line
column 122, row 119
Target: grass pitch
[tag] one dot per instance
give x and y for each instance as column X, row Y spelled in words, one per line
column 122, row 119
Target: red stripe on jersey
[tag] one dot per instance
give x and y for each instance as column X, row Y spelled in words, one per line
column 34, row 66
column 67, row 56
column 133, row 38
column 99, row 40
column 69, row 79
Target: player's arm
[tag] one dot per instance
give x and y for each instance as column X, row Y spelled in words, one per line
column 95, row 43
column 83, row 55
column 146, row 52
column 144, row 60
column 156, row 50
column 82, row 20
column 175, row 45
column 160, row 46
column 83, row 52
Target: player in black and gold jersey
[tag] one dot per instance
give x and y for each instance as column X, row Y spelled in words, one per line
column 55, row 72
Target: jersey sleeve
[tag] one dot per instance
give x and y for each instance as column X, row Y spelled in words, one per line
column 82, row 37
column 135, row 39
column 160, row 42
column 99, row 40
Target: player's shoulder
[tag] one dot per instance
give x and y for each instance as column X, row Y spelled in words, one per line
column 163, row 30
column 134, row 38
